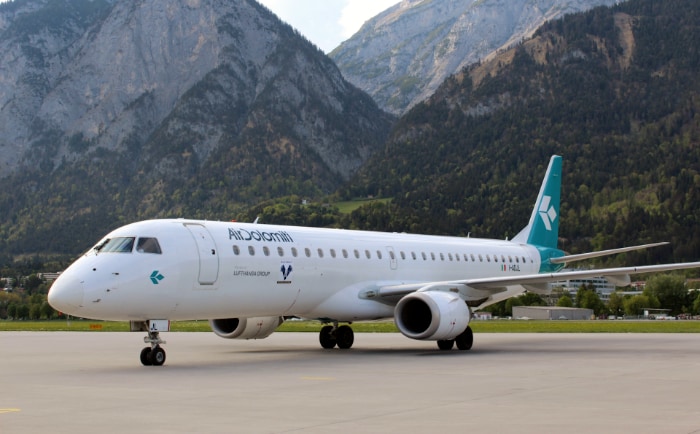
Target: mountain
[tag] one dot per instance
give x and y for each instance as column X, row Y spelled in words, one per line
column 403, row 54
column 615, row 91
column 117, row 110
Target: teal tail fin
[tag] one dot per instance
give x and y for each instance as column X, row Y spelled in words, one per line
column 543, row 228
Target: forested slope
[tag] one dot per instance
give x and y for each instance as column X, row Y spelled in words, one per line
column 615, row 91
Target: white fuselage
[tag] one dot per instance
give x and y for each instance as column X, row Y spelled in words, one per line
column 207, row 270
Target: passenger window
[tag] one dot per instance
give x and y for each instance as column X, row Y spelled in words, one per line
column 403, row 256
column 495, row 258
column 251, row 250
column 294, row 252
column 379, row 254
column 307, row 252
column 320, row 253
column 413, row 255
column 266, row 251
column 118, row 245
column 236, row 250
column 345, row 253
column 425, row 258
column 280, row 251
column 369, row 255
column 148, row 245
column 432, row 256
column 332, row 253
column 473, row 258
column 357, row 254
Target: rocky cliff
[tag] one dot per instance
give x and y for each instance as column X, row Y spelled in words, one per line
column 402, row 55
column 144, row 108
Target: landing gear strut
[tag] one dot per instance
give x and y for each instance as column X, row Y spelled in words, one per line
column 464, row 341
column 331, row 336
column 153, row 355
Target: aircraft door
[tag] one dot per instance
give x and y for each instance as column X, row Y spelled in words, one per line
column 208, row 254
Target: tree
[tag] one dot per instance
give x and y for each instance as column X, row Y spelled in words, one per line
column 565, row 301
column 670, row 290
column 12, row 311
column 696, row 304
column 531, row 299
column 635, row 306
column 616, row 304
column 511, row 302
column 587, row 298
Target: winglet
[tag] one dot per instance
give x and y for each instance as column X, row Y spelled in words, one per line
column 543, row 228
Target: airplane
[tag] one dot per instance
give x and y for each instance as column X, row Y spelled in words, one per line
column 246, row 278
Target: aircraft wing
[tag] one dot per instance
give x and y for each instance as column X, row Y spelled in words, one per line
column 582, row 256
column 478, row 288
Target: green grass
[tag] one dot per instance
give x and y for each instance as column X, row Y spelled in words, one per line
column 384, row 326
column 349, row 206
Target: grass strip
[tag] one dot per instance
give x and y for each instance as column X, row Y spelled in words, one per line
column 78, row 325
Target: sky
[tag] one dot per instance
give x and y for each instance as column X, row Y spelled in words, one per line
column 327, row 23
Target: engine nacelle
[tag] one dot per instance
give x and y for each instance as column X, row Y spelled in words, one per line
column 245, row 328
column 432, row 315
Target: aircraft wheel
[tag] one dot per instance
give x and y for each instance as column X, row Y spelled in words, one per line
column 326, row 337
column 345, row 337
column 157, row 356
column 465, row 340
column 446, row 344
column 145, row 356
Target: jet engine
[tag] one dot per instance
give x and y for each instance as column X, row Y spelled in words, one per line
column 245, row 328
column 432, row 315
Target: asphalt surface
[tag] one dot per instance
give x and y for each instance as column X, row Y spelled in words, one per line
column 93, row 382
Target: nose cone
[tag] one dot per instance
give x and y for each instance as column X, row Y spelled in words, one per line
column 66, row 294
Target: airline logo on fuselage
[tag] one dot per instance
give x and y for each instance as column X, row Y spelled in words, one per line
column 245, row 235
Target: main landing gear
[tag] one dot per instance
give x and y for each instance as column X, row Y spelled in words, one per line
column 464, row 341
column 153, row 355
column 331, row 336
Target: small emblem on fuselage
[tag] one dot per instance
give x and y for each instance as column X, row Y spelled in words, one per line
column 156, row 277
column 286, row 270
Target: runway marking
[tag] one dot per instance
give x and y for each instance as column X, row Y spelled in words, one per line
column 318, row 378
column 9, row 410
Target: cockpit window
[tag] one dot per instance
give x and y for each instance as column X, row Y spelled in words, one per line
column 118, row 245
column 148, row 245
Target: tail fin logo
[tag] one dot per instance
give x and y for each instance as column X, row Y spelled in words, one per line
column 547, row 212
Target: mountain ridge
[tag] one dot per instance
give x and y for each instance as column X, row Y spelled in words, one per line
column 114, row 110
column 615, row 91
column 402, row 55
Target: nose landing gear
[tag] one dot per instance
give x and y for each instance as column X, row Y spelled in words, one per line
column 153, row 355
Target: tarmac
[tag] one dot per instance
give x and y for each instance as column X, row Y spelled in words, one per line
column 93, row 382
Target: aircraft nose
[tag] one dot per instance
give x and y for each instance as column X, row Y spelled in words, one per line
column 66, row 294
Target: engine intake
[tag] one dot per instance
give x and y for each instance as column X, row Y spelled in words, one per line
column 431, row 315
column 245, row 328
